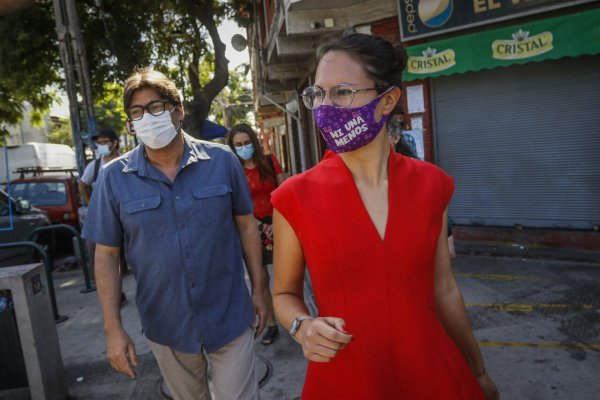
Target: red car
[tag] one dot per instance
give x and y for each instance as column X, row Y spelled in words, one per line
column 57, row 195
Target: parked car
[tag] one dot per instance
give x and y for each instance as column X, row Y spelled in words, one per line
column 17, row 220
column 57, row 195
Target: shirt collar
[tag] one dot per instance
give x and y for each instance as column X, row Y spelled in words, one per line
column 193, row 151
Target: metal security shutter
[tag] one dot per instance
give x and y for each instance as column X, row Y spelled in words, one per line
column 522, row 143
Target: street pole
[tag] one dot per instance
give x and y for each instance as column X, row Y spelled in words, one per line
column 72, row 54
column 82, row 67
column 66, row 56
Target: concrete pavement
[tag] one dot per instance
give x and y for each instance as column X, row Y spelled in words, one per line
column 537, row 321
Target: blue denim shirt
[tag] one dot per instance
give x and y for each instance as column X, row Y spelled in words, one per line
column 181, row 242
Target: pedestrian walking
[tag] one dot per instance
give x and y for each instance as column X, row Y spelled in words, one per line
column 107, row 145
column 182, row 209
column 371, row 226
column 264, row 174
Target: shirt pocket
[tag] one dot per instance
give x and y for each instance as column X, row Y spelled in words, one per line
column 214, row 202
column 143, row 214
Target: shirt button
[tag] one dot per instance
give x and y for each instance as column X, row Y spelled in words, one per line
column 182, row 226
column 177, row 198
column 193, row 285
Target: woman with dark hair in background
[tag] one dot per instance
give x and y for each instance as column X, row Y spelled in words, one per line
column 371, row 226
column 263, row 174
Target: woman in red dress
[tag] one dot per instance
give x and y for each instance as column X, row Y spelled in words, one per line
column 370, row 225
column 263, row 174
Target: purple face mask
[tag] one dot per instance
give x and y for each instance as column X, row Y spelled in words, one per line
column 347, row 129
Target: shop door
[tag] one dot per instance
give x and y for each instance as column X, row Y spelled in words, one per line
column 522, row 143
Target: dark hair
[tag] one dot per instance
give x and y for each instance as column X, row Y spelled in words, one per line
column 146, row 78
column 264, row 169
column 381, row 60
column 107, row 133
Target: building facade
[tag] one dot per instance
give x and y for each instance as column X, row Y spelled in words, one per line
column 502, row 95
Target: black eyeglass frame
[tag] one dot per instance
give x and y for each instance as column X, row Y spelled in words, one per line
column 146, row 108
column 332, row 98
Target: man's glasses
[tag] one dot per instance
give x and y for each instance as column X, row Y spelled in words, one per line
column 156, row 108
column 341, row 95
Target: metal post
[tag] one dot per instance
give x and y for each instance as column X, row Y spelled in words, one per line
column 57, row 318
column 74, row 60
column 78, row 250
column 81, row 65
column 83, row 261
column 66, row 55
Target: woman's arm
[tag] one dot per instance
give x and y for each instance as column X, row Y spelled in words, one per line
column 320, row 338
column 453, row 314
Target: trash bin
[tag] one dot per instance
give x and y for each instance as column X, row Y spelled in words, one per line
column 12, row 367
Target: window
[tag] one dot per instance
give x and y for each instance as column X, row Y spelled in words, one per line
column 41, row 193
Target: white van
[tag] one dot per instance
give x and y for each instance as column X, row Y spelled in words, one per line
column 53, row 159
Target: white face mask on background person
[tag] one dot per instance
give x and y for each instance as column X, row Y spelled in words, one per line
column 155, row 131
column 104, row 150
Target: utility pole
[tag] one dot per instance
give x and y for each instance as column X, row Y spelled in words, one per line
column 72, row 54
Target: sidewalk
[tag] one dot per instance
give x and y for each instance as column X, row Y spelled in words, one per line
column 280, row 367
column 537, row 322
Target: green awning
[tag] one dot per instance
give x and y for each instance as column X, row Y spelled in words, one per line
column 565, row 36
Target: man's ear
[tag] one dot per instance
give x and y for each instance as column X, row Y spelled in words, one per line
column 129, row 127
column 181, row 112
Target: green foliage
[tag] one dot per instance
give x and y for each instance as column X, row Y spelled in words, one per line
column 109, row 108
column 29, row 61
column 234, row 102
column 61, row 133
column 174, row 36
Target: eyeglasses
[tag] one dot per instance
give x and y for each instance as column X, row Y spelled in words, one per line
column 156, row 108
column 341, row 95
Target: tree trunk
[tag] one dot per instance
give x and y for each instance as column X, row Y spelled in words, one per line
column 196, row 111
column 202, row 97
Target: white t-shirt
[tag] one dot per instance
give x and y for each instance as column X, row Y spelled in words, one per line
column 88, row 172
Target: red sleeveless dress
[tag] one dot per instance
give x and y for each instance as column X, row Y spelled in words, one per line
column 383, row 289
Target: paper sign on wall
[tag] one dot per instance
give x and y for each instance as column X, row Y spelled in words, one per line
column 414, row 98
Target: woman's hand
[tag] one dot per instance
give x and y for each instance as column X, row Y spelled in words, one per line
column 322, row 338
column 489, row 388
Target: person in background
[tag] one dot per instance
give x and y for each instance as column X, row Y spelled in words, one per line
column 182, row 209
column 263, row 174
column 107, row 145
column 370, row 225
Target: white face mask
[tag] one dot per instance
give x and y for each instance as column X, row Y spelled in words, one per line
column 155, row 131
column 103, row 150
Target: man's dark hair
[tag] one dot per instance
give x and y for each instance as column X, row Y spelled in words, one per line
column 146, row 78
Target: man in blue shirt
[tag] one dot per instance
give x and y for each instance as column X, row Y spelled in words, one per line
column 182, row 210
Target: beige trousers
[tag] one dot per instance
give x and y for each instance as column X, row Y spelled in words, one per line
column 232, row 366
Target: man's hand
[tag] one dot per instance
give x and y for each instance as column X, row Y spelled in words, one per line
column 322, row 338
column 260, row 310
column 120, row 351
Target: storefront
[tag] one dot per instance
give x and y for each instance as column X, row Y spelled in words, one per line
column 513, row 114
